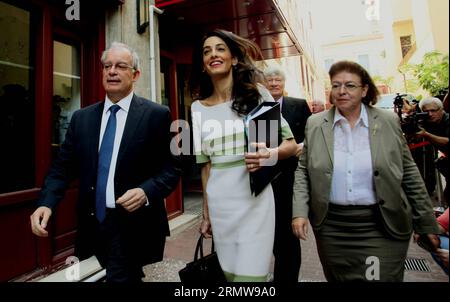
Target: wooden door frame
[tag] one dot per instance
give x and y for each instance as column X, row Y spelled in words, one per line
column 45, row 17
column 176, row 197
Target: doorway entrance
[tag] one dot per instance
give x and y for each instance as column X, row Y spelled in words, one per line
column 169, row 98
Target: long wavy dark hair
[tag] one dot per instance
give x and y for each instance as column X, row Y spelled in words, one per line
column 246, row 75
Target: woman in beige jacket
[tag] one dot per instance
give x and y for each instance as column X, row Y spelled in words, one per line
column 359, row 186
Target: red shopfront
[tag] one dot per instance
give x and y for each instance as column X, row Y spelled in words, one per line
column 184, row 21
column 49, row 67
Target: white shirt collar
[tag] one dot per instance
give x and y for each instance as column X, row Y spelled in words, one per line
column 124, row 103
column 363, row 117
column 280, row 99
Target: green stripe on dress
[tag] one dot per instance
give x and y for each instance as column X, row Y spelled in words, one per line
column 231, row 164
column 224, row 139
column 201, row 158
column 230, row 151
column 286, row 132
column 241, row 278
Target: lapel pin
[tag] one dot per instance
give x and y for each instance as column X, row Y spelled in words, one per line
column 375, row 129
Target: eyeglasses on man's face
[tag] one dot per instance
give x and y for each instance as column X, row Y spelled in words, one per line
column 350, row 86
column 274, row 80
column 118, row 66
column 431, row 110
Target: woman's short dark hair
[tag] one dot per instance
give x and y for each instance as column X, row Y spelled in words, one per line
column 246, row 75
column 371, row 97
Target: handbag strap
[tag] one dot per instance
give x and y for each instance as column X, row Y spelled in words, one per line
column 199, row 248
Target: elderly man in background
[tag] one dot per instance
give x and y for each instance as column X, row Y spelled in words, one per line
column 436, row 130
column 317, row 106
column 286, row 246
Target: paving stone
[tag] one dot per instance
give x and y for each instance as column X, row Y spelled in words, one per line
column 180, row 248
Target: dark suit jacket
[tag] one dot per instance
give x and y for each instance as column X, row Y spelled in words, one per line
column 295, row 112
column 144, row 160
column 401, row 195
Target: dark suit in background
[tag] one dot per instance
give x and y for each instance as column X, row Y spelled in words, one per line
column 286, row 246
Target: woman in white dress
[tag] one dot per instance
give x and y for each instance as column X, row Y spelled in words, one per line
column 225, row 84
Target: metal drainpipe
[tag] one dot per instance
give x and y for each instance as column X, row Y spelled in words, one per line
column 152, row 9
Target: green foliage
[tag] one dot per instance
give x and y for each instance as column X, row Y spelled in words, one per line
column 432, row 73
column 385, row 81
column 412, row 85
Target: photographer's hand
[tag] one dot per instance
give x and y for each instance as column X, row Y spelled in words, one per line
column 422, row 133
column 434, row 139
column 407, row 108
column 430, row 242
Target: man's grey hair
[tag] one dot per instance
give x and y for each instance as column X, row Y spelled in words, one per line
column 274, row 71
column 118, row 45
column 430, row 100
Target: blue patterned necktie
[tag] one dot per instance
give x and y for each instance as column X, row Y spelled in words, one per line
column 104, row 161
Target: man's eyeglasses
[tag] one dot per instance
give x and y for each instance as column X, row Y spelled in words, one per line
column 431, row 110
column 118, row 66
column 274, row 80
column 348, row 86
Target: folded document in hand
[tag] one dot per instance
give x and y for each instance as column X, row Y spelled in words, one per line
column 263, row 125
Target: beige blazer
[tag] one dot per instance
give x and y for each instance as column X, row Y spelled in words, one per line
column 399, row 188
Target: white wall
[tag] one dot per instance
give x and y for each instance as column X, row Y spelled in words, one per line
column 121, row 27
column 299, row 16
column 372, row 46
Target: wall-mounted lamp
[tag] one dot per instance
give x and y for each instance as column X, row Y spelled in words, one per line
column 141, row 15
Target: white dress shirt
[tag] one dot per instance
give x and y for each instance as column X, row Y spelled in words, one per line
column 352, row 182
column 121, row 117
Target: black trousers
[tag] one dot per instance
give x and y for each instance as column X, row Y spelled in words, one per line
column 119, row 263
column 286, row 248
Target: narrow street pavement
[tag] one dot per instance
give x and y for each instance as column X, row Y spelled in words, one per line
column 180, row 248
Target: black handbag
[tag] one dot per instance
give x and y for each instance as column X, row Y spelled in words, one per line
column 205, row 269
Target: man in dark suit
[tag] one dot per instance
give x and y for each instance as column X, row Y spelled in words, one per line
column 119, row 150
column 286, row 246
